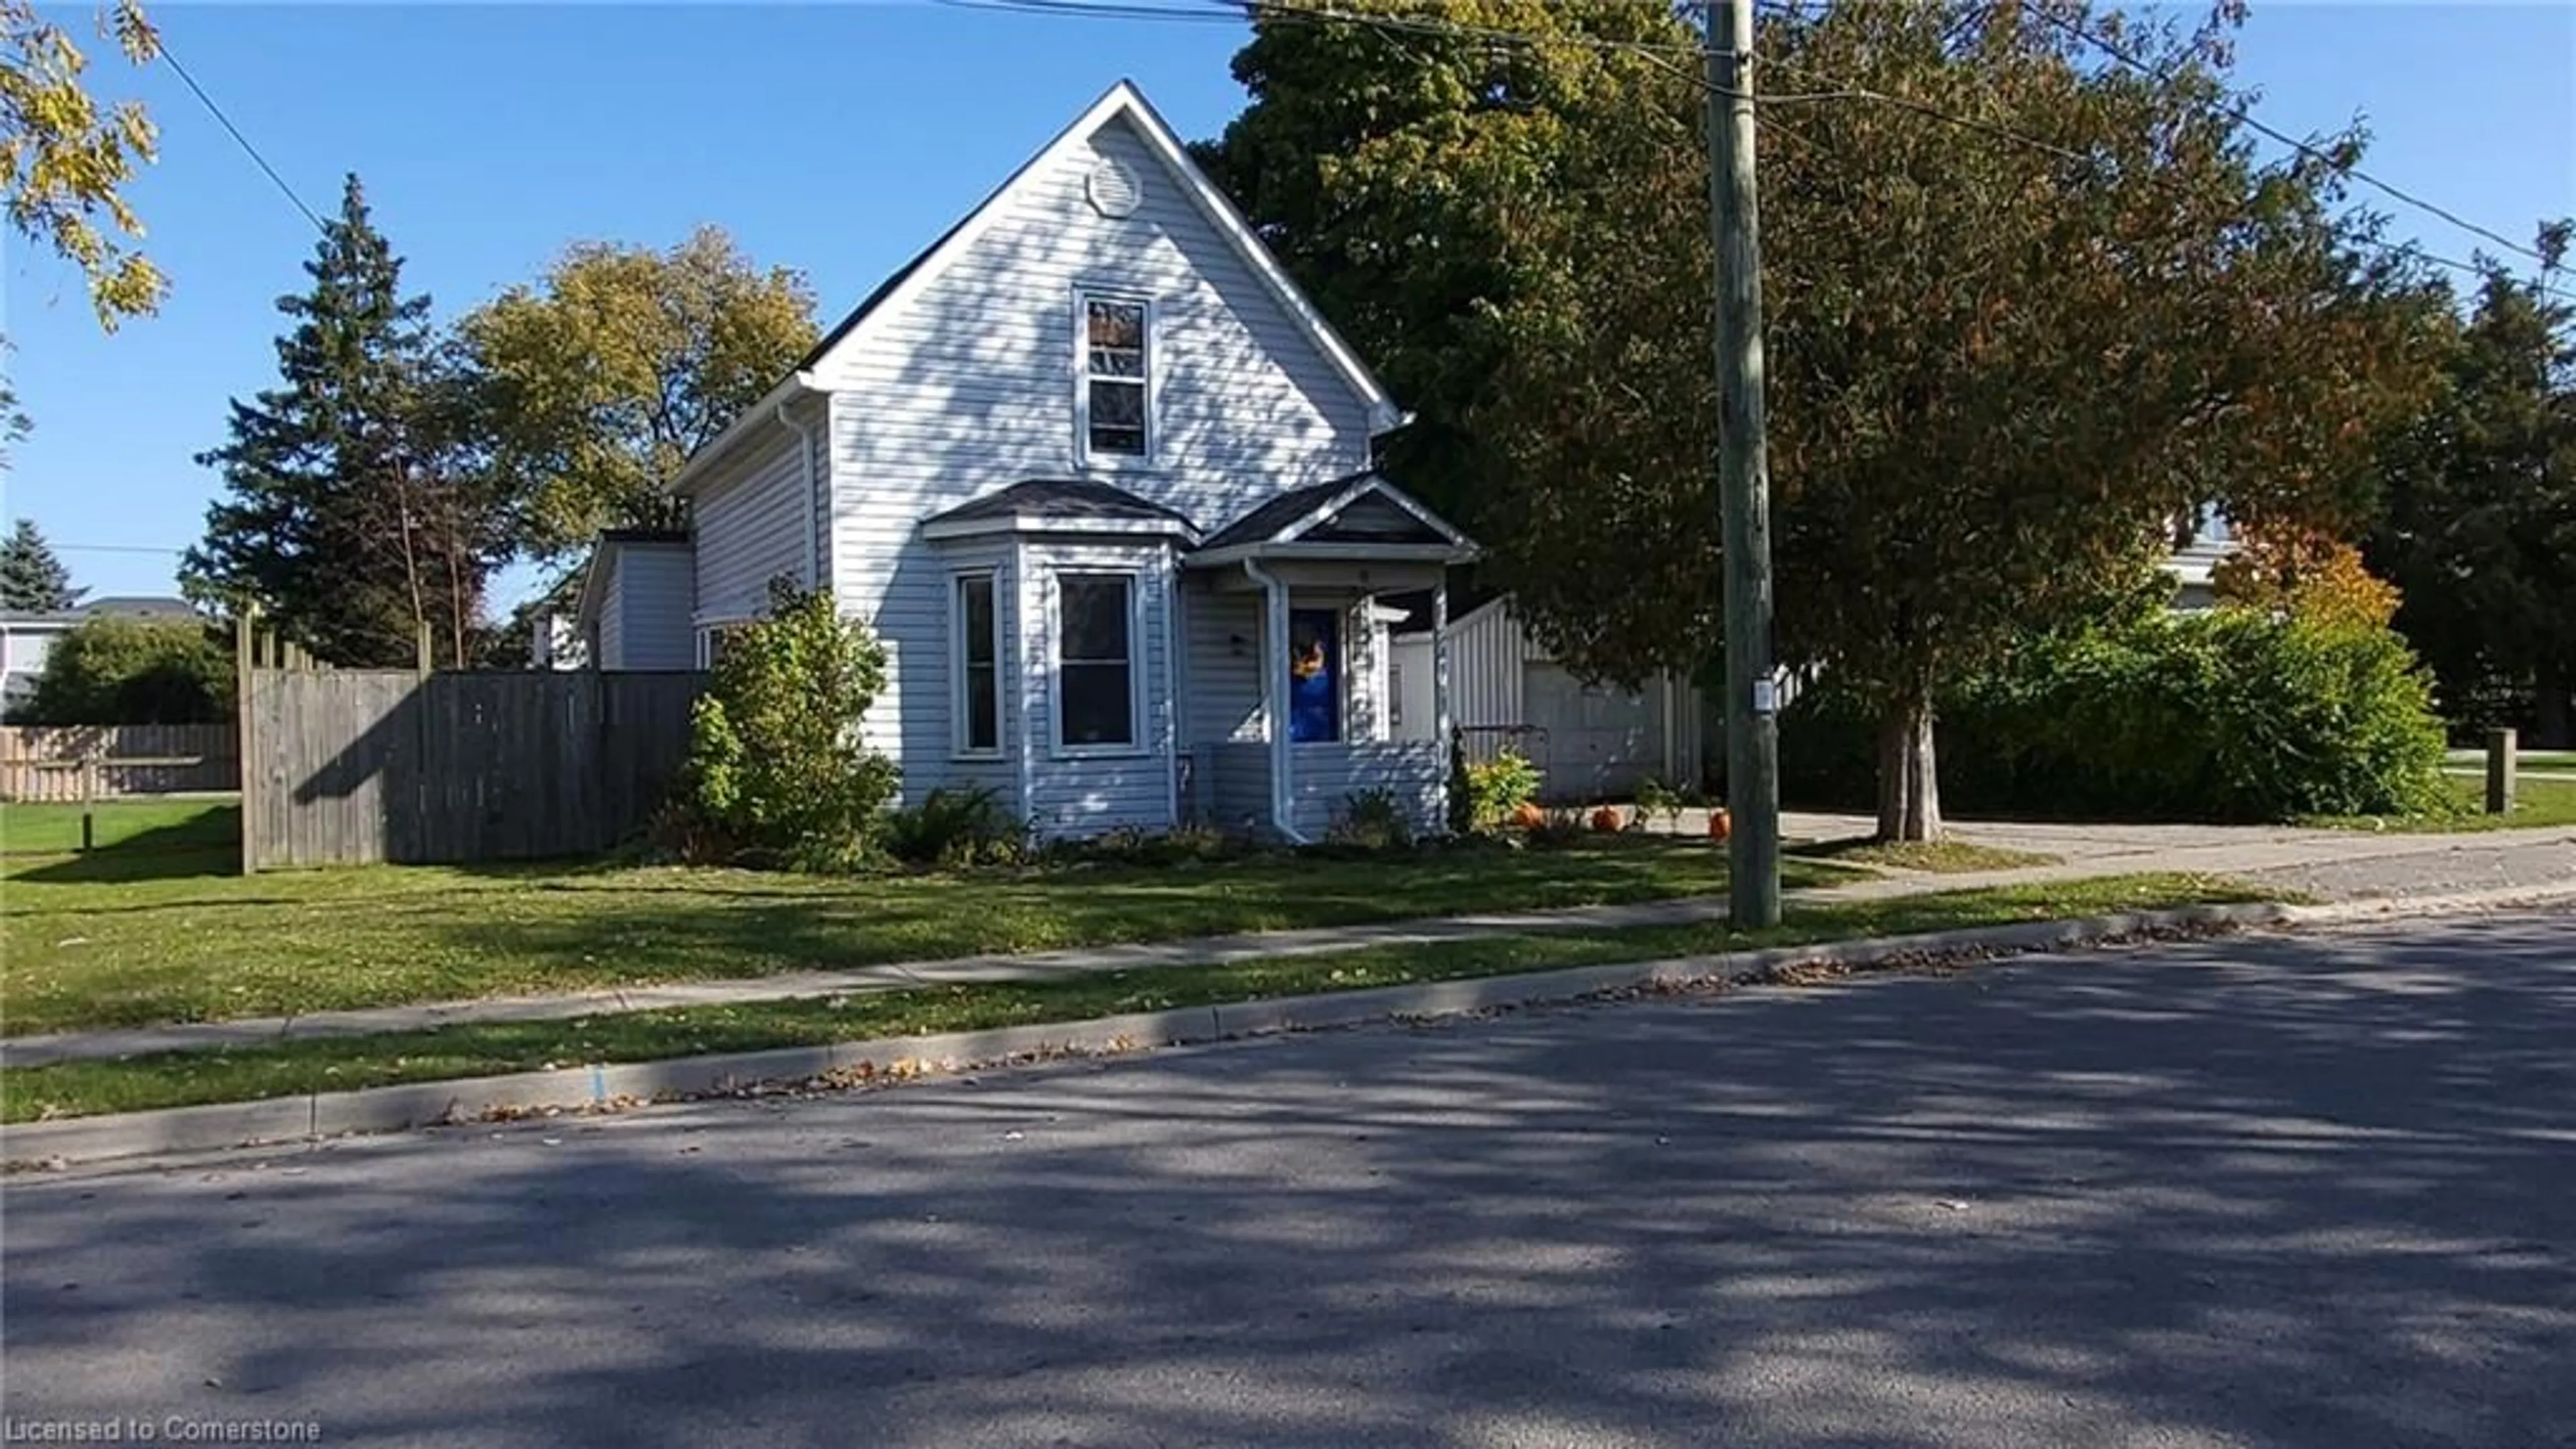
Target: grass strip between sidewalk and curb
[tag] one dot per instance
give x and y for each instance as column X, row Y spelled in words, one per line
column 1933, row 857
column 333, row 1064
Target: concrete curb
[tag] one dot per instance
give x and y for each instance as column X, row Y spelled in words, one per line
column 860, row 1063
column 2389, row 908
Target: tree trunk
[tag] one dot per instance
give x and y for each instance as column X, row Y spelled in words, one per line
column 2550, row 714
column 1909, row 788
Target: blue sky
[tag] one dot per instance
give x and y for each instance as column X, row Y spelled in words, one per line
column 838, row 138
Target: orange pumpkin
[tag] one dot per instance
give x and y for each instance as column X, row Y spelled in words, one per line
column 1526, row 816
column 1606, row 819
column 1719, row 826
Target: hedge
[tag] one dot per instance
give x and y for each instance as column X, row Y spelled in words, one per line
column 2231, row 714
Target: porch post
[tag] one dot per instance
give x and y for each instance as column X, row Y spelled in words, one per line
column 1440, row 681
column 1274, row 697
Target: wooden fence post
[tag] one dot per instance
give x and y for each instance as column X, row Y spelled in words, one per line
column 245, row 743
column 2500, row 771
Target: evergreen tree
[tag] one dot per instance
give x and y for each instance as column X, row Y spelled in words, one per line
column 32, row 580
column 2479, row 523
column 345, row 518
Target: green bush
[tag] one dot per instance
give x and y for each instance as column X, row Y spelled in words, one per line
column 1659, row 801
column 115, row 670
column 1372, row 820
column 2230, row 714
column 956, row 829
column 776, row 771
column 1498, row 787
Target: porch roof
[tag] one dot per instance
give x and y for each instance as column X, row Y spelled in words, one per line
column 1057, row 505
column 1359, row 516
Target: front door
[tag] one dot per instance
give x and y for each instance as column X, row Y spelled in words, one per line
column 1314, row 676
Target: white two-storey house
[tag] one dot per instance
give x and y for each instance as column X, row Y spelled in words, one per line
column 1098, row 476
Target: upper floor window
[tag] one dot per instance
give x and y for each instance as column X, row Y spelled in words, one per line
column 1114, row 363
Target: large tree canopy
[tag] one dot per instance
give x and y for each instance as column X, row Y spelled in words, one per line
column 2006, row 350
column 65, row 160
column 597, row 383
column 1420, row 185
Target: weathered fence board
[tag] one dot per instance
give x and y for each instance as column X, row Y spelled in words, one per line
column 26, row 750
column 354, row 766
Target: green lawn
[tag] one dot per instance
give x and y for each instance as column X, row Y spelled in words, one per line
column 486, row 1049
column 186, row 834
column 2539, row 800
column 154, row 931
column 1940, row 857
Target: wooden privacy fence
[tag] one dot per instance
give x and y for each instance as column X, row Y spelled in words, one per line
column 44, row 763
column 345, row 767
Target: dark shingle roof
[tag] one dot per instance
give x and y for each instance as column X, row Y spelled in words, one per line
column 884, row 290
column 1066, row 498
column 1279, row 512
column 145, row 606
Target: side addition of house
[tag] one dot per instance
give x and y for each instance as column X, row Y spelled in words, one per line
column 1098, row 476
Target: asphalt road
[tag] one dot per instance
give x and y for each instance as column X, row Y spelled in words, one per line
column 2314, row 1191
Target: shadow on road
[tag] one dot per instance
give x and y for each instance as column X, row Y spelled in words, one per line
column 2315, row 1192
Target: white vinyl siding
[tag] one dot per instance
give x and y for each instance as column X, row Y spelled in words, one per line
column 1223, row 697
column 969, row 387
column 609, row 648
column 1322, row 778
column 751, row 529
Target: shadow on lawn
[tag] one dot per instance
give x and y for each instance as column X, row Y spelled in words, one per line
column 205, row 844
column 755, row 925
column 2253, row 1191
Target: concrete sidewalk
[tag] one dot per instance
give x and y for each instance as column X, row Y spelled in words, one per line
column 2334, row 864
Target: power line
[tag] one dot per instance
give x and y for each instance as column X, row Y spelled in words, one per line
column 1104, row 9
column 2246, row 115
column 109, row 548
column 235, row 132
column 1236, row 11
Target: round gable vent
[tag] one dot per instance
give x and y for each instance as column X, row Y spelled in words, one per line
column 1115, row 188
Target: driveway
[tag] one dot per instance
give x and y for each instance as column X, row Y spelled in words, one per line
column 2294, row 1191
column 2332, row 864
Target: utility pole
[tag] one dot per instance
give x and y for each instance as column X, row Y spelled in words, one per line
column 1743, row 476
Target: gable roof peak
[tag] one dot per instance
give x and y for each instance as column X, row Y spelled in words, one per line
column 1124, row 99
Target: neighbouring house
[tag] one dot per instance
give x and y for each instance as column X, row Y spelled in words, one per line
column 27, row 638
column 634, row 609
column 2194, row 565
column 1099, row 478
